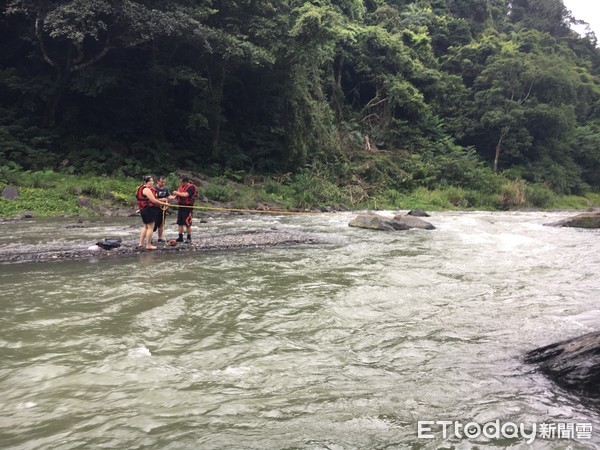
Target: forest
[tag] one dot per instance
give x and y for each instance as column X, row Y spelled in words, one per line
column 362, row 98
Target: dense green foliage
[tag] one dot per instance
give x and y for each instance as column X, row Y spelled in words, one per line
column 48, row 193
column 357, row 101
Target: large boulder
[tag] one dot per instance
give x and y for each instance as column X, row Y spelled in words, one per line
column 413, row 222
column 589, row 220
column 573, row 364
column 10, row 192
column 378, row 222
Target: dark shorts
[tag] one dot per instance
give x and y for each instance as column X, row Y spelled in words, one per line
column 150, row 214
column 184, row 217
column 159, row 220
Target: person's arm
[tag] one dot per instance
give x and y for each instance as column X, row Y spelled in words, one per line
column 181, row 193
column 148, row 193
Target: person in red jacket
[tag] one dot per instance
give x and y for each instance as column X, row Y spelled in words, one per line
column 186, row 196
column 149, row 207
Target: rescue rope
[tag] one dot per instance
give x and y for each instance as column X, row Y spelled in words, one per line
column 262, row 211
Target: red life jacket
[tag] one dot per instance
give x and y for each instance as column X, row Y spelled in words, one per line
column 189, row 200
column 142, row 200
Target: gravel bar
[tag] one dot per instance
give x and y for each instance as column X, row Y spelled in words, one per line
column 201, row 243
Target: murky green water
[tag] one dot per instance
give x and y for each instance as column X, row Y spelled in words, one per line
column 345, row 345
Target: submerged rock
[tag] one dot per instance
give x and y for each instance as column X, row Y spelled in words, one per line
column 588, row 220
column 378, row 222
column 573, row 364
column 417, row 213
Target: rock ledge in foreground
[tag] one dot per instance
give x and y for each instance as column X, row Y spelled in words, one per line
column 588, row 220
column 573, row 364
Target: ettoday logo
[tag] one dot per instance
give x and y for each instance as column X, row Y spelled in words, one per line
column 427, row 429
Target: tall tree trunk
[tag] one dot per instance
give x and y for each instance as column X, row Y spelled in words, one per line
column 217, row 83
column 55, row 99
column 503, row 134
column 337, row 89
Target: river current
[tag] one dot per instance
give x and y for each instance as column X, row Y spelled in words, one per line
column 360, row 342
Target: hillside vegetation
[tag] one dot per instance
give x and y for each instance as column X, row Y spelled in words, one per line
column 446, row 103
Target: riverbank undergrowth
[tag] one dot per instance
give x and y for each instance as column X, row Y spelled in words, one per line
column 49, row 193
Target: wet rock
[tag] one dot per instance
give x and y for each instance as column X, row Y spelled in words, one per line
column 25, row 215
column 10, row 193
column 84, row 202
column 377, row 222
column 573, row 364
column 110, row 243
column 107, row 211
column 413, row 222
column 22, row 216
column 589, row 220
column 417, row 213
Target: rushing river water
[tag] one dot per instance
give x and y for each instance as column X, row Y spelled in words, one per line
column 342, row 345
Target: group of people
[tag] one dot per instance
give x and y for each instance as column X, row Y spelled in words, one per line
column 153, row 199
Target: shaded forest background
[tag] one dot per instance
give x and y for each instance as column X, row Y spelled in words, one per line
column 372, row 95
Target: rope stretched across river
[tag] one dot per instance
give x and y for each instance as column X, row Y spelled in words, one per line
column 215, row 208
column 264, row 211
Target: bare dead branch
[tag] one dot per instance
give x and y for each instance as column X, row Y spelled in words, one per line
column 38, row 35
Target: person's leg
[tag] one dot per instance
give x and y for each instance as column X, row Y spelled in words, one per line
column 149, row 233
column 159, row 225
column 145, row 219
column 142, row 236
column 181, row 221
column 188, row 225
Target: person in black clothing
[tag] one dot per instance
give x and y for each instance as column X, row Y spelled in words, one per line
column 149, row 207
column 186, row 196
column 162, row 193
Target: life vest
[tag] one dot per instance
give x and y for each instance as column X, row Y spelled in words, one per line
column 142, row 200
column 189, row 200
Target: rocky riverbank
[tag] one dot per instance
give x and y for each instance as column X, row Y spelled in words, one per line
column 204, row 243
column 574, row 363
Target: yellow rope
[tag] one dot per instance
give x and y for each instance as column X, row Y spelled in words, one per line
column 263, row 211
column 276, row 211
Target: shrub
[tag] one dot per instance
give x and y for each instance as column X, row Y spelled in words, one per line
column 219, row 193
column 538, row 195
column 512, row 194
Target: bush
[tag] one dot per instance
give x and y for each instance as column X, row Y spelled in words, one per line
column 219, row 193
column 538, row 195
column 309, row 190
column 512, row 194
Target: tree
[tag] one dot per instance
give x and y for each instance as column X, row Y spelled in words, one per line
column 74, row 35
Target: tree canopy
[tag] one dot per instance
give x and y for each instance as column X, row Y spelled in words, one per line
column 272, row 86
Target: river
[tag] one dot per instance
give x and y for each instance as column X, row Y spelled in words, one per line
column 357, row 343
